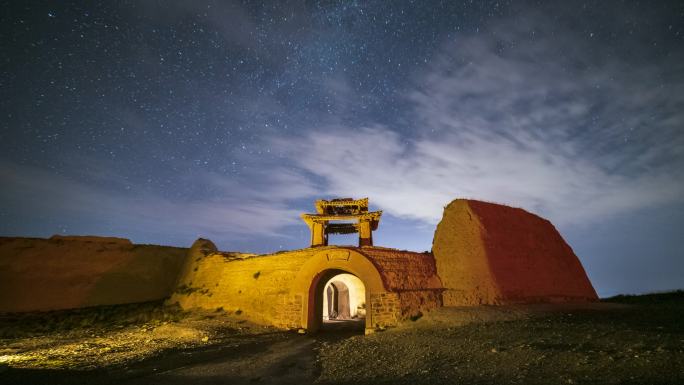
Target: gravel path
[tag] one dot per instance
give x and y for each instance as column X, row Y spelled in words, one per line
column 606, row 343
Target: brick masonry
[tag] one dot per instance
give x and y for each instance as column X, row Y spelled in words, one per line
column 260, row 287
column 385, row 309
column 411, row 276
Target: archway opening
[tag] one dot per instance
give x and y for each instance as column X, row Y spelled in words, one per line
column 339, row 302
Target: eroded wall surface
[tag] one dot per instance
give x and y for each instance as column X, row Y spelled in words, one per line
column 493, row 254
column 72, row 272
column 411, row 277
column 274, row 289
column 483, row 253
column 256, row 287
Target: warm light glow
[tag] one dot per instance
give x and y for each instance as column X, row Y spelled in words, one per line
column 342, row 285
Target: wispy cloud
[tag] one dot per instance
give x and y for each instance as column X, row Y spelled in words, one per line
column 529, row 114
column 415, row 180
column 545, row 123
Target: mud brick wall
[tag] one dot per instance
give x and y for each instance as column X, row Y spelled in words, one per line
column 385, row 309
column 415, row 302
column 266, row 288
column 67, row 272
column 250, row 286
column 487, row 253
column 290, row 313
column 412, row 276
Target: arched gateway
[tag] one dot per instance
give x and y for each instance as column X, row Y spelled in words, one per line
column 320, row 268
column 483, row 253
column 286, row 289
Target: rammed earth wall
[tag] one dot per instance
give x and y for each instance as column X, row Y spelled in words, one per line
column 483, row 253
column 280, row 289
column 73, row 272
column 492, row 254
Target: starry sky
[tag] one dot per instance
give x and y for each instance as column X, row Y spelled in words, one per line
column 163, row 121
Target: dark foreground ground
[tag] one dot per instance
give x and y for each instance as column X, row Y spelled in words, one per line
column 623, row 340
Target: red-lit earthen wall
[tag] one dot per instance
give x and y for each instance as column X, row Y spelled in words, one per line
column 491, row 254
column 412, row 276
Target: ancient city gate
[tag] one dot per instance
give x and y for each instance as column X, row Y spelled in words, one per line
column 321, row 267
column 286, row 289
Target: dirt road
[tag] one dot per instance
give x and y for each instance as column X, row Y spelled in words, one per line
column 280, row 358
column 263, row 358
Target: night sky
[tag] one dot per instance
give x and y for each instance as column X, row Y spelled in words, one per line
column 163, row 121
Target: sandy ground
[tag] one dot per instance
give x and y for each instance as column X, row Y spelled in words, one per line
column 630, row 341
column 599, row 344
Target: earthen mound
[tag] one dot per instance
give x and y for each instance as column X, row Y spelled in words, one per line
column 493, row 254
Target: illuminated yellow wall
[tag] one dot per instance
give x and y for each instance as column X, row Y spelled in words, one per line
column 460, row 257
column 253, row 287
column 283, row 289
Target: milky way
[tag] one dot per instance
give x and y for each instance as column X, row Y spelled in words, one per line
column 163, row 121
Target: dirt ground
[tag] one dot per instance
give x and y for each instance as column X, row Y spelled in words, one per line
column 625, row 340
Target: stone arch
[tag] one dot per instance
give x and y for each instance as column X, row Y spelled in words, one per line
column 324, row 265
